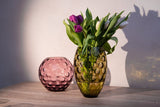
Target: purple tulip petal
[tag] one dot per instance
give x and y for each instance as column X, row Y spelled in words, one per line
column 78, row 28
column 80, row 19
column 73, row 18
column 76, row 19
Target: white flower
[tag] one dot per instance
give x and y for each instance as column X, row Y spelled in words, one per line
column 106, row 24
column 123, row 24
column 97, row 25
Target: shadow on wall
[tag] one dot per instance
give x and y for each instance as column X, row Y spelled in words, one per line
column 108, row 77
column 12, row 68
column 143, row 47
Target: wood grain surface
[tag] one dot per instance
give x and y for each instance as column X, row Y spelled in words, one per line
column 33, row 94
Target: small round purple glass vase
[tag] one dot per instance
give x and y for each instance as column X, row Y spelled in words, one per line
column 56, row 73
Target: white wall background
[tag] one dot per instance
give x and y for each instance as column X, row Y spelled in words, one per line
column 43, row 34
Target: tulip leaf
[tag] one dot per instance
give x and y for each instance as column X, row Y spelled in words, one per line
column 86, row 42
column 93, row 25
column 72, row 24
column 87, row 21
column 88, row 14
column 83, row 19
column 74, row 37
column 107, row 46
column 102, row 41
column 125, row 19
column 113, row 23
column 106, row 17
column 82, row 15
column 101, row 30
column 111, row 18
column 100, row 27
column 84, row 26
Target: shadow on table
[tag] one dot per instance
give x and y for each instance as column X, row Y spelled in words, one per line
column 143, row 49
column 116, row 91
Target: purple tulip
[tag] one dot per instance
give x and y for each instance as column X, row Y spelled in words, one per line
column 80, row 19
column 78, row 28
column 76, row 19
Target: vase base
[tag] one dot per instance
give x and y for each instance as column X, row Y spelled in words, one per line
column 90, row 90
column 88, row 96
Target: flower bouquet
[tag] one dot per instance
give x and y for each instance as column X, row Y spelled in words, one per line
column 92, row 38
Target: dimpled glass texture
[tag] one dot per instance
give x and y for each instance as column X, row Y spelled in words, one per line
column 56, row 73
column 92, row 84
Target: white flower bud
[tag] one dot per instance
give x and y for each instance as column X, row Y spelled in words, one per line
column 106, row 24
column 123, row 24
column 97, row 25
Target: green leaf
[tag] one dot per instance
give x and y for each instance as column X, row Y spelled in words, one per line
column 113, row 23
column 125, row 19
column 74, row 37
column 82, row 15
column 111, row 18
column 83, row 19
column 106, row 17
column 93, row 25
column 119, row 15
column 84, row 23
column 93, row 43
column 71, row 24
column 114, row 39
column 108, row 36
column 107, row 46
column 100, row 27
column 97, row 18
column 86, row 42
column 88, row 14
column 87, row 21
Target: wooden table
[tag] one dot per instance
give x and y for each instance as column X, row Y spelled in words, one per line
column 33, row 94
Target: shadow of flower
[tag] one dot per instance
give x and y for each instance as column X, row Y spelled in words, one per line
column 143, row 47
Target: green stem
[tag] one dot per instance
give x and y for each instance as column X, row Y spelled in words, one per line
column 96, row 44
column 84, row 34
